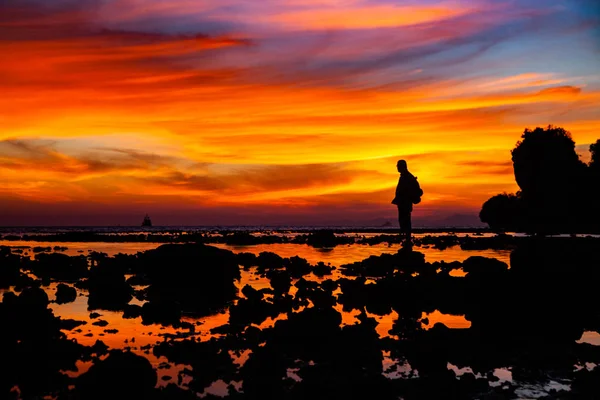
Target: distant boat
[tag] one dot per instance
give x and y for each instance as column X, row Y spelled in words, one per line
column 147, row 221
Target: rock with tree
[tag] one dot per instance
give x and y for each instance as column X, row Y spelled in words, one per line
column 557, row 189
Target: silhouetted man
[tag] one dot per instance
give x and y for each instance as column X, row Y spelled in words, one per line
column 408, row 192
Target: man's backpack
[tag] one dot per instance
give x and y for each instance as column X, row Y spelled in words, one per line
column 417, row 192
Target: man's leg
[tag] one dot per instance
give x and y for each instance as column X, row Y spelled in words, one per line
column 401, row 222
column 408, row 224
column 405, row 224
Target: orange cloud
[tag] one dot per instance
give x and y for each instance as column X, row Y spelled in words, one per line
column 361, row 17
column 104, row 113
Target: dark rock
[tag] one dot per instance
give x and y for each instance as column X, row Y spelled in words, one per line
column 483, row 268
column 174, row 392
column 33, row 345
column 322, row 238
column 498, row 242
column 297, row 267
column 280, row 281
column 12, row 237
column 252, row 309
column 161, row 312
column 107, row 287
column 268, row 261
column 70, row 324
column 191, row 278
column 319, row 294
column 321, row 269
column 122, row 375
column 385, row 238
column 10, row 265
column 164, row 365
column 585, row 384
column 65, row 294
column 208, row 360
column 132, row 311
column 99, row 348
column 440, row 242
column 138, row 280
column 59, row 267
column 407, row 262
column 246, row 260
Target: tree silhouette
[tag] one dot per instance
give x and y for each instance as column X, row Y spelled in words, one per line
column 502, row 212
column 548, row 170
column 557, row 189
column 595, row 151
column 592, row 184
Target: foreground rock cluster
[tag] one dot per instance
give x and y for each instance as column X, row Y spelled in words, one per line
column 313, row 331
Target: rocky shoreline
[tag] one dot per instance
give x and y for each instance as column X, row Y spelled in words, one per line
column 296, row 330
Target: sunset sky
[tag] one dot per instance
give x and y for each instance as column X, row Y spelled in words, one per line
column 204, row 112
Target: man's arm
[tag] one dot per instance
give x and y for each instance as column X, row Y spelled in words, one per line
column 397, row 195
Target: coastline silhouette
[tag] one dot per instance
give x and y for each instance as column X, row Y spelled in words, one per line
column 558, row 191
column 408, row 192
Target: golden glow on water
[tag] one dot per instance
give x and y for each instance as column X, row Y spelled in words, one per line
column 83, row 248
column 346, row 254
column 590, row 337
column 348, row 318
column 384, row 323
column 451, row 321
column 132, row 334
column 457, row 273
column 340, row 255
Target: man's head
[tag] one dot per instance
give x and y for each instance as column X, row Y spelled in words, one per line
column 401, row 165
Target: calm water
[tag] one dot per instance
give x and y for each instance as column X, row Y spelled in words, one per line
column 343, row 254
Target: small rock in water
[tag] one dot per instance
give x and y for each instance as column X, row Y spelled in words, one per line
column 65, row 294
column 70, row 324
column 122, row 373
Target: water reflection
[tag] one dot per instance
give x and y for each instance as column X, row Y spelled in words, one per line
column 451, row 321
column 347, row 254
column 335, row 256
column 492, row 303
column 79, row 248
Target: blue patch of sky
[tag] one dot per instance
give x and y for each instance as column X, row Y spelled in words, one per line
column 552, row 44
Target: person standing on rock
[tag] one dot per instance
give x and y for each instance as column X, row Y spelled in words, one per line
column 408, row 192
